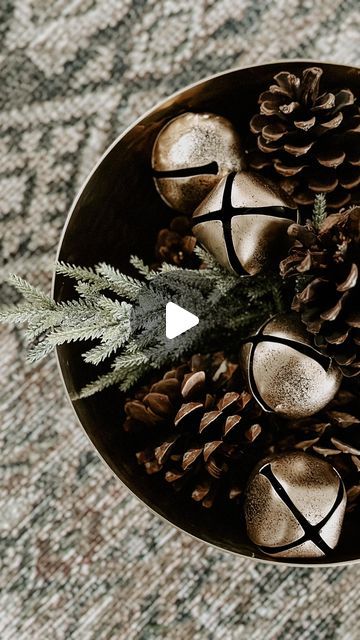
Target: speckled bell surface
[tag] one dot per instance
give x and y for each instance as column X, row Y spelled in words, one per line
column 191, row 154
column 243, row 222
column 294, row 506
column 285, row 373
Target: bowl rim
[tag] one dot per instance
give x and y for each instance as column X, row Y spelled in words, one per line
column 266, row 561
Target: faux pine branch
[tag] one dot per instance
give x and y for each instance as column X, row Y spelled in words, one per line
column 125, row 316
column 319, row 211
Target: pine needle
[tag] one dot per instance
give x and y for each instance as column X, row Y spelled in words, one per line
column 121, row 284
column 319, row 211
column 84, row 274
column 30, row 293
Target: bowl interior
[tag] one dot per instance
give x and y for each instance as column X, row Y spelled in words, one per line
column 118, row 213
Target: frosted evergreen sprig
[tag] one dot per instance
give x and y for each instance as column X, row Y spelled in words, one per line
column 319, row 211
column 125, row 316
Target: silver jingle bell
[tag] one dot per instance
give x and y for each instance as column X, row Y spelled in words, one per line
column 190, row 155
column 243, row 223
column 285, row 373
column 294, row 506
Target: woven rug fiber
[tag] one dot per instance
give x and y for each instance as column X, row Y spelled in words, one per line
column 80, row 557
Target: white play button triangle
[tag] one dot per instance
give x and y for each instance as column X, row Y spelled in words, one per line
column 178, row 320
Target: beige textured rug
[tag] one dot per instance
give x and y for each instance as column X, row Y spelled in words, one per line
column 81, row 558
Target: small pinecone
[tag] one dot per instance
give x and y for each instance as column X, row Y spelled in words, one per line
column 330, row 302
column 309, row 139
column 333, row 434
column 176, row 243
column 194, row 428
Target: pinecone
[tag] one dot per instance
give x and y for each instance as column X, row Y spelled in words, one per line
column 197, row 430
column 330, row 302
column 309, row 139
column 334, row 434
column 176, row 243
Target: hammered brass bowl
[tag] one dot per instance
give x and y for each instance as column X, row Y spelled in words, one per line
column 118, row 213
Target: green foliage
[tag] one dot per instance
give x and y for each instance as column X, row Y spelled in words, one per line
column 125, row 316
column 319, row 211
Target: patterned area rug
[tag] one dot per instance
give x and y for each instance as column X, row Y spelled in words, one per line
column 80, row 557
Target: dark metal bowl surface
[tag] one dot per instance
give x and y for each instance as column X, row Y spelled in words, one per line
column 118, row 213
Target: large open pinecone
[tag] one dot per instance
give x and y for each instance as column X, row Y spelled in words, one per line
column 309, row 139
column 175, row 244
column 329, row 304
column 197, row 430
column 334, row 434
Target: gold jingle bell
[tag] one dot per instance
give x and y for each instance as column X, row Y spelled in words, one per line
column 243, row 223
column 190, row 155
column 285, row 373
column 294, row 506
